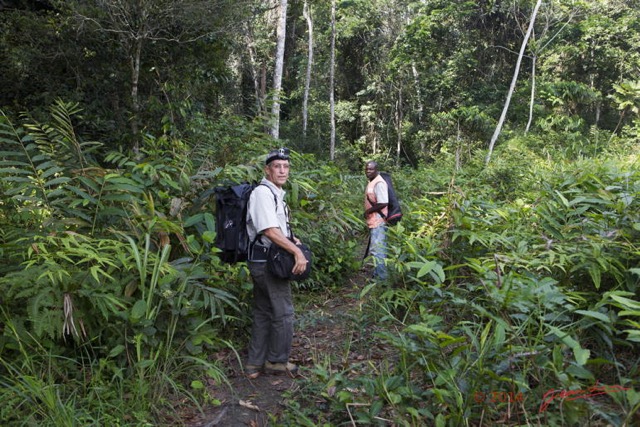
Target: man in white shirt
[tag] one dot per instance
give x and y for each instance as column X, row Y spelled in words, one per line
column 267, row 224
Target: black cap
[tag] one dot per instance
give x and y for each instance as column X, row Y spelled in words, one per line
column 279, row 154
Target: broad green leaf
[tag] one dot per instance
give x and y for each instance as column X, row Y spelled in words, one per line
column 426, row 268
column 581, row 355
column 499, row 336
column 565, row 202
column 595, row 315
column 634, row 397
column 485, row 333
column 49, row 169
column 629, row 313
column 133, row 188
column 626, row 301
column 116, row 350
column 209, row 236
column 193, row 219
column 56, row 181
column 14, row 171
column 210, row 221
column 633, row 335
column 16, row 179
column 421, row 329
column 145, row 363
column 580, row 372
column 84, row 195
column 366, row 289
column 139, row 309
column 438, row 273
column 596, row 276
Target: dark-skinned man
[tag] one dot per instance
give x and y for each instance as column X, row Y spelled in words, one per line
column 376, row 200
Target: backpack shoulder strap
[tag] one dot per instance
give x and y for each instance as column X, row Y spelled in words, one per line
column 275, row 198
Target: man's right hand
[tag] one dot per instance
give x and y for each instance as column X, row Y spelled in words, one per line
column 301, row 262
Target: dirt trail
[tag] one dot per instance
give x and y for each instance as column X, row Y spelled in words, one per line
column 323, row 330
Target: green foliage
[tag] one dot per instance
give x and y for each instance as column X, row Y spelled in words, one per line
column 500, row 298
column 403, row 68
column 115, row 267
column 77, row 283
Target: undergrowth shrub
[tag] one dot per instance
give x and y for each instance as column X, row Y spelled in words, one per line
column 99, row 268
column 503, row 301
column 109, row 275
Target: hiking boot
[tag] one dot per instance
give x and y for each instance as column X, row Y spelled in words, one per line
column 281, row 368
column 252, row 371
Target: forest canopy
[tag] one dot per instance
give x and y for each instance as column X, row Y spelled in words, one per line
column 410, row 78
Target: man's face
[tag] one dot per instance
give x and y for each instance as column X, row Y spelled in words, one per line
column 277, row 172
column 370, row 171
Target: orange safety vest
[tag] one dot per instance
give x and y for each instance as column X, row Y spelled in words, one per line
column 374, row 220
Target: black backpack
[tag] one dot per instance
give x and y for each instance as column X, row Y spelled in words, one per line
column 394, row 212
column 231, row 221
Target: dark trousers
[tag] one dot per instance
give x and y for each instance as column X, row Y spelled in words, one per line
column 272, row 329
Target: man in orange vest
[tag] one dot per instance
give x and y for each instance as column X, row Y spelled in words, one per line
column 376, row 199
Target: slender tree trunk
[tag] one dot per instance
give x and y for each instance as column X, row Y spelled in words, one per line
column 592, row 86
column 332, row 148
column 416, row 82
column 458, row 148
column 399, row 119
column 533, row 92
column 496, row 133
column 135, row 100
column 277, row 75
column 307, row 82
column 253, row 65
column 263, row 81
column 374, row 140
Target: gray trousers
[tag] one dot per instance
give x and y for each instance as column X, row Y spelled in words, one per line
column 272, row 329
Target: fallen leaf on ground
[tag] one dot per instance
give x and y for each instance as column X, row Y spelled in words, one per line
column 248, row 404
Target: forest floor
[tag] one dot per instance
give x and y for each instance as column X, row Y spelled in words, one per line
column 329, row 332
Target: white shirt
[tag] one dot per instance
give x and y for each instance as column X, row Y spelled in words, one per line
column 263, row 212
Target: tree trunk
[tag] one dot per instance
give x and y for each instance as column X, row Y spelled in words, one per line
column 263, row 81
column 332, row 148
column 496, row 133
column 533, row 92
column 307, row 83
column 251, row 49
column 458, row 148
column 135, row 100
column 399, row 119
column 416, row 82
column 277, row 75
